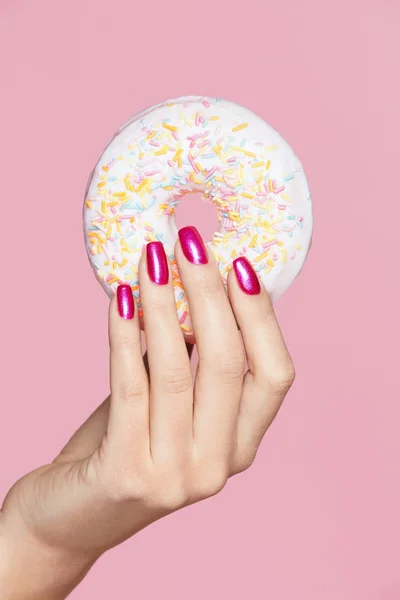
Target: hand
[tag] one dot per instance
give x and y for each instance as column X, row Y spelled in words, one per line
column 165, row 441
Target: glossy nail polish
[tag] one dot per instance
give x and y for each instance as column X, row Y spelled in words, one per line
column 157, row 265
column 126, row 305
column 246, row 276
column 193, row 246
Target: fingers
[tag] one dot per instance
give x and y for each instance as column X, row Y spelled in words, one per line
column 230, row 415
column 171, row 389
column 271, row 370
column 128, row 425
column 221, row 358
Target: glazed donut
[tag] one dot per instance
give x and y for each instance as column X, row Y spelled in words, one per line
column 196, row 144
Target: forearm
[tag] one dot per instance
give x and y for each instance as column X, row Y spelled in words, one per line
column 29, row 571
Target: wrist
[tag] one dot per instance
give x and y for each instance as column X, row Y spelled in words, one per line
column 31, row 571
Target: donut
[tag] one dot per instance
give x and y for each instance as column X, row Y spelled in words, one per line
column 204, row 145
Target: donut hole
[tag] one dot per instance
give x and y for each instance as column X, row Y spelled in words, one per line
column 194, row 209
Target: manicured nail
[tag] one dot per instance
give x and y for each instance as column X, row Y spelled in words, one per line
column 246, row 276
column 157, row 265
column 193, row 246
column 126, row 305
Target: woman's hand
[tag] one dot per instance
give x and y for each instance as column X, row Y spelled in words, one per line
column 163, row 441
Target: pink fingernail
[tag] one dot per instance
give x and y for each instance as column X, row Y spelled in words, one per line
column 157, row 265
column 126, row 305
column 193, row 246
column 246, row 276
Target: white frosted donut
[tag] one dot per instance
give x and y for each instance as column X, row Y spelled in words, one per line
column 197, row 144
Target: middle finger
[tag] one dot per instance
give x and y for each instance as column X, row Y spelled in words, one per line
column 219, row 377
column 171, row 393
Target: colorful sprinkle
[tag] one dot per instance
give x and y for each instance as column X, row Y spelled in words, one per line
column 239, row 127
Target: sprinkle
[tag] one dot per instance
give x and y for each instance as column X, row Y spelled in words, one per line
column 261, row 256
column 217, row 150
column 239, row 149
column 89, row 204
column 278, row 190
column 253, row 241
column 194, row 165
column 169, row 127
column 177, row 154
column 239, row 127
column 257, row 164
column 163, row 150
column 143, row 184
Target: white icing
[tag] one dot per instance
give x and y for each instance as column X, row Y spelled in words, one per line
column 282, row 220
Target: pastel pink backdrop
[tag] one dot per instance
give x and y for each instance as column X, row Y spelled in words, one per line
column 317, row 516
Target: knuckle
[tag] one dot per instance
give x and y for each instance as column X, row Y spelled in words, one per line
column 230, row 365
column 209, row 287
column 263, row 314
column 173, row 498
column 156, row 307
column 122, row 342
column 282, row 380
column 169, row 491
column 121, row 486
column 132, row 389
column 178, row 381
column 243, row 462
column 210, row 483
column 129, row 488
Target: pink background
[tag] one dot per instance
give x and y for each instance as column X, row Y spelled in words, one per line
column 317, row 516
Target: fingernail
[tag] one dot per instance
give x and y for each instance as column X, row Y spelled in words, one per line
column 193, row 246
column 126, row 305
column 157, row 265
column 246, row 276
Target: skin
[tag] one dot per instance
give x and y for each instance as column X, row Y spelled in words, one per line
column 161, row 441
